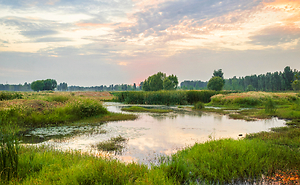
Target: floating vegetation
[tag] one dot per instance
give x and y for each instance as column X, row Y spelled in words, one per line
column 115, row 144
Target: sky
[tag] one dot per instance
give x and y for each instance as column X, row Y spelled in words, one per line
column 104, row 42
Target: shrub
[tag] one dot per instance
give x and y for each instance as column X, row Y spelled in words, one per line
column 199, row 106
column 86, row 108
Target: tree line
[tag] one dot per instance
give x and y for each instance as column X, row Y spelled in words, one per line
column 277, row 81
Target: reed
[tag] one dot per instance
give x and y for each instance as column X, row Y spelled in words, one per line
column 165, row 97
column 9, row 157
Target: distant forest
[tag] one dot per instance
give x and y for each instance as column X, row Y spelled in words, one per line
column 277, row 81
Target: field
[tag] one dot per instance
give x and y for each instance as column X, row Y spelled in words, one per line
column 262, row 157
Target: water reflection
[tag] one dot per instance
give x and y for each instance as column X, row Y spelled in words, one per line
column 152, row 134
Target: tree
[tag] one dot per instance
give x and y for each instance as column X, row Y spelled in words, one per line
column 41, row 85
column 170, row 82
column 218, row 73
column 296, row 83
column 37, row 85
column 215, row 83
column 50, row 84
column 288, row 77
column 159, row 82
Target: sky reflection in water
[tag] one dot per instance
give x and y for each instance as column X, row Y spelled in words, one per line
column 152, row 134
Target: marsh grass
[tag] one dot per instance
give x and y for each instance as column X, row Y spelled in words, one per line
column 143, row 109
column 226, row 161
column 165, row 97
column 270, row 106
column 9, row 157
column 43, row 165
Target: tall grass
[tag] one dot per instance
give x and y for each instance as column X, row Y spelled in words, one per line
column 165, row 97
column 42, row 115
column 10, row 95
column 9, row 158
column 226, row 161
column 48, row 166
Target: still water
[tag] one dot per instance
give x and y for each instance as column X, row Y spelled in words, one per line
column 151, row 135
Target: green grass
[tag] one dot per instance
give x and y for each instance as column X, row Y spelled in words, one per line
column 48, row 166
column 143, row 109
column 227, row 161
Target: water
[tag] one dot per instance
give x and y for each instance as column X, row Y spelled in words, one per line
column 152, row 134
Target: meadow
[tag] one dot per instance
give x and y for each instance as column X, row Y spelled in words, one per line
column 261, row 157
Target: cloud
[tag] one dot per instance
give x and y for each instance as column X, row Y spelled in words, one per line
column 53, row 39
column 171, row 13
column 275, row 35
column 38, row 33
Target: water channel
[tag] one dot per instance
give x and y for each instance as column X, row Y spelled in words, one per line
column 151, row 135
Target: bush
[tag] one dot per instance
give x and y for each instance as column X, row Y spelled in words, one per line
column 199, row 106
column 87, row 108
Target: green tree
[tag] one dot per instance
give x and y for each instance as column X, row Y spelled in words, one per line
column 49, row 84
column 296, row 83
column 250, row 88
column 218, row 73
column 37, row 85
column 215, row 83
column 170, row 82
column 288, row 77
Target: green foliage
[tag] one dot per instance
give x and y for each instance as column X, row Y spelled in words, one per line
column 42, row 115
column 270, row 106
column 215, row 83
column 159, row 82
column 10, row 95
column 41, row 85
column 250, row 88
column 170, row 82
column 296, row 85
column 9, row 157
column 218, row 73
column 154, row 82
column 199, row 105
column 48, row 166
column 166, row 97
column 153, row 98
column 196, row 96
column 86, row 108
column 227, row 161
